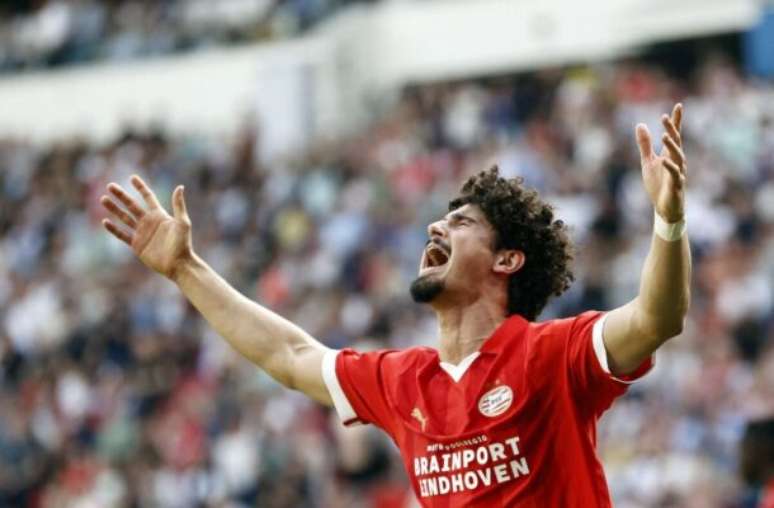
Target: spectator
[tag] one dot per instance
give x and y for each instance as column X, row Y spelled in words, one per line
column 114, row 393
column 64, row 32
column 757, row 459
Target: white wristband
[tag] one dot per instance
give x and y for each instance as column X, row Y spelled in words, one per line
column 668, row 231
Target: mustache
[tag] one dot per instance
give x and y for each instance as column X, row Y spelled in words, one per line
column 440, row 243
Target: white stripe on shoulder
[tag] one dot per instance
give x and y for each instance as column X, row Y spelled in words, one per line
column 599, row 343
column 340, row 402
column 600, row 352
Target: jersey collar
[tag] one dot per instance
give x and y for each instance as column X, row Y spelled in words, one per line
column 457, row 371
column 508, row 328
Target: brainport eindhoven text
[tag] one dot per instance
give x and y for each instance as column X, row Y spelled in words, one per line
column 469, row 468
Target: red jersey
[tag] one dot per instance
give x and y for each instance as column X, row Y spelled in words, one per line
column 513, row 424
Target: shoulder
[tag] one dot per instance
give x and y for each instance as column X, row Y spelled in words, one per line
column 406, row 354
column 401, row 360
column 365, row 385
column 557, row 334
column 566, row 326
column 393, row 360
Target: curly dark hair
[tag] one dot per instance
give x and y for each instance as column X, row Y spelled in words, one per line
column 524, row 222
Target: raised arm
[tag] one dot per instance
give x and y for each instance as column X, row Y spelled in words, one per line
column 163, row 243
column 633, row 332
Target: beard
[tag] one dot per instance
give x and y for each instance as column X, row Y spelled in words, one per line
column 425, row 289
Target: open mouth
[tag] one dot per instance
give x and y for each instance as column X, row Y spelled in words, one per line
column 435, row 256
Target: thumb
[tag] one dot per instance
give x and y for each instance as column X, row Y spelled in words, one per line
column 178, row 205
column 643, row 141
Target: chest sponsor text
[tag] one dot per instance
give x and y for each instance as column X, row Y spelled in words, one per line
column 459, row 470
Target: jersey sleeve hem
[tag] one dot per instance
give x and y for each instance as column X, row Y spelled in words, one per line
column 601, row 353
column 343, row 407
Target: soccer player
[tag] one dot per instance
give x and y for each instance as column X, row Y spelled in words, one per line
column 503, row 412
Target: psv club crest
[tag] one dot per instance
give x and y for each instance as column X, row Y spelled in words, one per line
column 496, row 401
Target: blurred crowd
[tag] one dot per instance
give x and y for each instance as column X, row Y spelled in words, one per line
column 47, row 33
column 115, row 393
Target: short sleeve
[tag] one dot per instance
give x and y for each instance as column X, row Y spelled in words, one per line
column 358, row 384
column 590, row 378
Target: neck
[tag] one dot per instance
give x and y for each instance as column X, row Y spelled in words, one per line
column 464, row 329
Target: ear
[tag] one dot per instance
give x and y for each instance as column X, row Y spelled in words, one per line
column 508, row 261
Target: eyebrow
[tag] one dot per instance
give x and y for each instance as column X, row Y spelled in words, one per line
column 460, row 216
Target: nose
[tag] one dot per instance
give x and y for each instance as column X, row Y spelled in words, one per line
column 436, row 229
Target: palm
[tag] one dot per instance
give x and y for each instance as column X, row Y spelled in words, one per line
column 160, row 240
column 664, row 174
column 661, row 187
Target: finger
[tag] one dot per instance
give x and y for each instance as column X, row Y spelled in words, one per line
column 147, row 194
column 126, row 199
column 677, row 115
column 675, row 152
column 643, row 141
column 118, row 233
column 178, row 205
column 118, row 212
column 674, row 170
column 672, row 129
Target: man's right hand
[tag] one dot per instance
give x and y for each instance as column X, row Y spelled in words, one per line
column 161, row 241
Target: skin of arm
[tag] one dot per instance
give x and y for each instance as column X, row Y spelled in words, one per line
column 633, row 332
column 163, row 243
column 285, row 351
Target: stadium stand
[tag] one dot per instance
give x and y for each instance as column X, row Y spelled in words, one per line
column 52, row 33
column 115, row 393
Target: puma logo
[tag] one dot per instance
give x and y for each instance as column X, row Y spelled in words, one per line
column 418, row 416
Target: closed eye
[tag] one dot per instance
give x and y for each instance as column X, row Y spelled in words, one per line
column 460, row 220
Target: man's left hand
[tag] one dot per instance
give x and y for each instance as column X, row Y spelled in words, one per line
column 664, row 174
